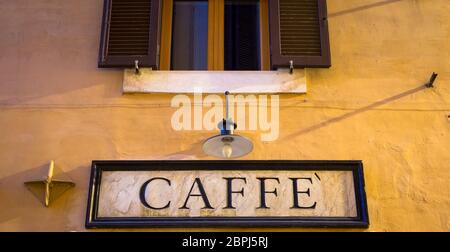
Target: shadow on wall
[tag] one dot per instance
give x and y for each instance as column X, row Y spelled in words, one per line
column 361, row 8
column 21, row 210
column 44, row 52
column 53, row 55
column 194, row 152
column 109, row 80
column 354, row 113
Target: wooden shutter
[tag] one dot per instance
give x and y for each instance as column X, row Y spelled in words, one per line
column 129, row 33
column 299, row 33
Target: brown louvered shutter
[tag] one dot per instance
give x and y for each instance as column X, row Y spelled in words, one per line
column 299, row 33
column 129, row 33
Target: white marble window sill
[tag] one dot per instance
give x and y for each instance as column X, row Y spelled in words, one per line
column 148, row 81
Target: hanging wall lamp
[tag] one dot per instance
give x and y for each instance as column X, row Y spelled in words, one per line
column 227, row 145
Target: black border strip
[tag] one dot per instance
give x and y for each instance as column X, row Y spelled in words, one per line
column 93, row 221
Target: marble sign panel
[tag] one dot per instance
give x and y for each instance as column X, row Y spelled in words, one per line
column 225, row 192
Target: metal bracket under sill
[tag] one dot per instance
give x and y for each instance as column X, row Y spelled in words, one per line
column 255, row 82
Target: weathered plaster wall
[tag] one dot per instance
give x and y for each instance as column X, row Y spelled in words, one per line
column 56, row 104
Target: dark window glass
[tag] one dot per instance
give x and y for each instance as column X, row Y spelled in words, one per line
column 189, row 35
column 242, row 35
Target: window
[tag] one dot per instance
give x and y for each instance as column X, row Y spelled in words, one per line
column 242, row 35
column 189, row 35
column 215, row 34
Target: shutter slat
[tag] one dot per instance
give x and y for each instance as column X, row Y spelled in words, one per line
column 299, row 28
column 129, row 27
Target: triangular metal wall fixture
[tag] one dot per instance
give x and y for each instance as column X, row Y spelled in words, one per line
column 49, row 189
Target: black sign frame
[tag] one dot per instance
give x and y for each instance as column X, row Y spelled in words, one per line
column 93, row 221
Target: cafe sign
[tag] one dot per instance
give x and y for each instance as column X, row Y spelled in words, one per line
column 226, row 193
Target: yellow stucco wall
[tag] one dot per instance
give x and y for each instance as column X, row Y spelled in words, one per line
column 56, row 104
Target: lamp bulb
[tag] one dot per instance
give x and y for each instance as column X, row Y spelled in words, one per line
column 227, row 150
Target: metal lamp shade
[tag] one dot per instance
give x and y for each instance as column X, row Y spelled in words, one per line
column 240, row 146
